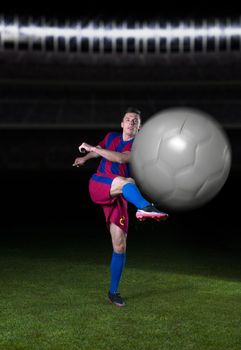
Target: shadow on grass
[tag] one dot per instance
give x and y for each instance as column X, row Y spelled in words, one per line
column 149, row 293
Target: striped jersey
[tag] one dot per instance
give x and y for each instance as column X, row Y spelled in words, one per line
column 113, row 141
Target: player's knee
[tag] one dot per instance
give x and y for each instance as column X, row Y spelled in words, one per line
column 124, row 180
column 127, row 180
column 118, row 183
column 119, row 245
column 130, row 179
column 120, row 248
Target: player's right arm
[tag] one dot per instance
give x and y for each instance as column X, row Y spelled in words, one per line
column 85, row 147
column 81, row 160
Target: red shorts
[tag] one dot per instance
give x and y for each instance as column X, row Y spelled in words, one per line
column 115, row 208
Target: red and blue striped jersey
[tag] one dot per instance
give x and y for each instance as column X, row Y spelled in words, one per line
column 113, row 141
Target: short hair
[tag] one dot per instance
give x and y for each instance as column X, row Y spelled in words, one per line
column 133, row 110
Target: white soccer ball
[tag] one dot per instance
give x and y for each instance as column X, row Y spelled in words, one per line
column 180, row 158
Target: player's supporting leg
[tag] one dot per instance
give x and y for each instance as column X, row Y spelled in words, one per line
column 117, row 263
column 129, row 190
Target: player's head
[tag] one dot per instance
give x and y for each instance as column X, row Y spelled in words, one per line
column 131, row 121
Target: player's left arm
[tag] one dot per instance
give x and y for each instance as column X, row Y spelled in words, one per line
column 117, row 157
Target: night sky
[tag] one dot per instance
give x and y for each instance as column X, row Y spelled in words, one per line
column 123, row 9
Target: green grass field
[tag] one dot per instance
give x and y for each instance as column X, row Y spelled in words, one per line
column 53, row 295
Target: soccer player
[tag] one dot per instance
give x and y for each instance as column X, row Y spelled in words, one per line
column 112, row 187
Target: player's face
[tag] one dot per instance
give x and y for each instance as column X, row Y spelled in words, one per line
column 131, row 124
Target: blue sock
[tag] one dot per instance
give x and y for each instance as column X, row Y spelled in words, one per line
column 132, row 194
column 116, row 268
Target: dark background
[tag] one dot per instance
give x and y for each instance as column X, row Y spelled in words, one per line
column 48, row 109
column 124, row 9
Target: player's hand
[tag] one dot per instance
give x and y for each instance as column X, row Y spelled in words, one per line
column 85, row 147
column 79, row 162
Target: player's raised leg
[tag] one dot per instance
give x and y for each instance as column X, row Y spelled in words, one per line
column 117, row 263
column 129, row 190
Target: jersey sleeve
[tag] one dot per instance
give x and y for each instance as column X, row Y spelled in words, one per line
column 102, row 143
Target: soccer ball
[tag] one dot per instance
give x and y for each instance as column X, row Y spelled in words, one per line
column 180, row 158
